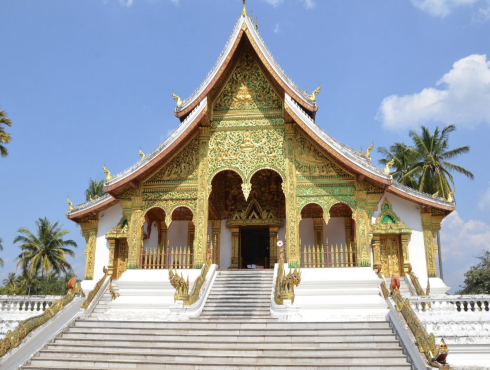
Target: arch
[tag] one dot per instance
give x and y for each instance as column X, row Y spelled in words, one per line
column 223, row 169
column 270, row 168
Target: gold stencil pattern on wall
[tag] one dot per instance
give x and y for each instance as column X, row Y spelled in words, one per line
column 246, row 90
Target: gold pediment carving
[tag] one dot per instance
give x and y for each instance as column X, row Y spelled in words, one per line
column 247, row 92
column 255, row 212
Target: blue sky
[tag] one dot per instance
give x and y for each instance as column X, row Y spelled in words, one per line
column 88, row 82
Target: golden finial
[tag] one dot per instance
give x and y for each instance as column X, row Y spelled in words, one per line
column 108, row 173
column 388, row 165
column 142, row 155
column 257, row 23
column 450, row 198
column 70, row 204
column 368, row 151
column 90, row 198
column 315, row 93
column 244, row 10
column 436, row 194
column 177, row 99
column 306, row 90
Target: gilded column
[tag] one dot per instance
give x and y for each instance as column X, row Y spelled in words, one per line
column 89, row 232
column 362, row 229
column 429, row 243
column 216, row 236
column 235, row 247
column 289, row 188
column 135, row 232
column 112, row 247
column 377, row 254
column 318, row 231
column 163, row 237
column 406, row 257
column 191, row 233
column 202, row 199
column 348, row 230
column 273, row 246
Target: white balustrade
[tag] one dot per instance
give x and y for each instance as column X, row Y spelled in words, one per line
column 451, row 303
column 26, row 304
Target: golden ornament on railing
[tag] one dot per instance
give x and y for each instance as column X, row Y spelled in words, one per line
column 284, row 289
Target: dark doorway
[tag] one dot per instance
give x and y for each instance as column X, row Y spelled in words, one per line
column 254, row 247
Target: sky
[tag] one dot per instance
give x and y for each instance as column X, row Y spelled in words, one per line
column 90, row 82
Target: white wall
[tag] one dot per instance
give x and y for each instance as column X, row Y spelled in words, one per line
column 334, row 231
column 225, row 246
column 409, row 214
column 306, row 232
column 177, row 233
column 107, row 220
column 153, row 240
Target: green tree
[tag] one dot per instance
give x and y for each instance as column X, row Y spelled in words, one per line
column 10, row 284
column 1, row 249
column 4, row 136
column 404, row 160
column 45, row 251
column 28, row 281
column 95, row 189
column 432, row 154
column 477, row 278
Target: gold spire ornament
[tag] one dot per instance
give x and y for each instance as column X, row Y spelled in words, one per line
column 315, row 93
column 70, row 204
column 177, row 99
column 436, row 194
column 244, row 10
column 368, row 151
column 108, row 173
column 388, row 166
column 142, row 155
column 306, row 90
column 450, row 198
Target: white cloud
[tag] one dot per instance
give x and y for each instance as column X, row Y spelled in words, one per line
column 440, row 8
column 464, row 99
column 484, row 13
column 484, row 202
column 277, row 28
column 309, row 4
column 127, row 3
column 274, row 3
column 460, row 238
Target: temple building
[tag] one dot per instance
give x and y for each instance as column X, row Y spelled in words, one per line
column 248, row 166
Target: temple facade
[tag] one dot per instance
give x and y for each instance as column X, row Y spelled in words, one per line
column 248, row 166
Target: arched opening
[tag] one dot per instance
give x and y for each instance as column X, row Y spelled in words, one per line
column 243, row 231
column 327, row 244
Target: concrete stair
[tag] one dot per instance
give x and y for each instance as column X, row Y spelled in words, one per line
column 104, row 301
column 222, row 344
column 240, row 295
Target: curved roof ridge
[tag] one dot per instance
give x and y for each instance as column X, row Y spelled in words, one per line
column 263, row 48
column 345, row 150
column 165, row 144
column 83, row 206
column 420, row 194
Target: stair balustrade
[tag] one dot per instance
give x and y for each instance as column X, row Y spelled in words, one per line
column 451, row 304
column 20, row 304
column 175, row 257
column 333, row 256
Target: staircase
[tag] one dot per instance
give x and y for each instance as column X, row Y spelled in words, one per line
column 235, row 331
column 404, row 289
column 104, row 301
column 240, row 295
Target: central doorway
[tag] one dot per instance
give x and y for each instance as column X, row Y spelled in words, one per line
column 254, row 248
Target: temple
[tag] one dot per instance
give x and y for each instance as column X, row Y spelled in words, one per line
column 247, row 166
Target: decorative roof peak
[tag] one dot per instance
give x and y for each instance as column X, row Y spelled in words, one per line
column 244, row 10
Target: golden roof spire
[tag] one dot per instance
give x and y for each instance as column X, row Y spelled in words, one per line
column 244, row 11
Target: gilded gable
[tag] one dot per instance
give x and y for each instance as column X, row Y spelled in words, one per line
column 247, row 92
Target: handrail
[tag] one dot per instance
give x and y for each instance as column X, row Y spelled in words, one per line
column 416, row 283
column 384, row 289
column 182, row 287
column 94, row 291
column 14, row 338
column 284, row 289
column 435, row 354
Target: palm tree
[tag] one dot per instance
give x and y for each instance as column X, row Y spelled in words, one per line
column 1, row 249
column 4, row 136
column 95, row 190
column 47, row 250
column 10, row 283
column 404, row 160
column 28, row 279
column 431, row 153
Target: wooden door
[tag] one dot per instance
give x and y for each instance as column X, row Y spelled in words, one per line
column 390, row 248
column 121, row 258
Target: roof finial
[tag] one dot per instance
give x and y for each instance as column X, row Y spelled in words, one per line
column 244, row 11
column 257, row 23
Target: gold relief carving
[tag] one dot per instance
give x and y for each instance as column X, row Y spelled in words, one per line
column 246, row 151
column 390, row 255
column 247, row 123
column 126, row 195
column 163, row 194
column 89, row 232
column 247, row 90
column 135, row 239
column 312, row 162
column 246, row 188
column 431, row 223
column 183, row 166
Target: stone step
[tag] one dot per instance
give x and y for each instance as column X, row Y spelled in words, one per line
column 97, row 364
column 196, row 349
column 195, row 325
column 149, row 343
column 204, row 357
